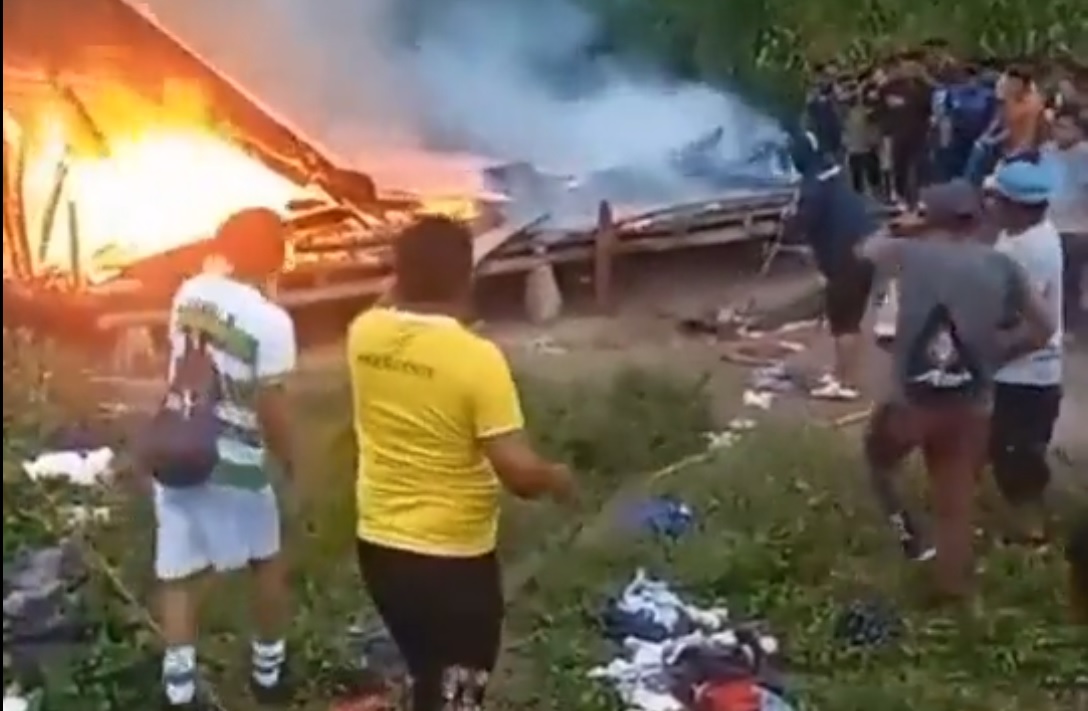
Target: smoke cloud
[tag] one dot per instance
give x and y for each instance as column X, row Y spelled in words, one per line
column 381, row 82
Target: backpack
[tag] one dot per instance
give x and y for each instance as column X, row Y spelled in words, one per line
column 180, row 446
column 939, row 364
column 970, row 108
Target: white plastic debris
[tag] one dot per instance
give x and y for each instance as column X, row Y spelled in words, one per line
column 741, row 424
column 720, row 440
column 762, row 400
column 77, row 516
column 796, row 326
column 16, row 703
column 79, row 468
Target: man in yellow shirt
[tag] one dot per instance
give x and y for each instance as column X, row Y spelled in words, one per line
column 440, row 431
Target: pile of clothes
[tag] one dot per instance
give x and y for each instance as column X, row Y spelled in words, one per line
column 679, row 657
column 42, row 606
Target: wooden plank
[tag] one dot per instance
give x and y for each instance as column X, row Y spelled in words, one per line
column 604, row 250
column 486, row 244
column 584, row 252
column 371, row 287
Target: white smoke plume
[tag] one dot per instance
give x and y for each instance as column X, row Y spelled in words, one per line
column 377, row 81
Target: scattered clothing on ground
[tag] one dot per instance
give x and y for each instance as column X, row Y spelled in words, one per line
column 80, row 468
column 664, row 516
column 678, row 656
column 41, row 604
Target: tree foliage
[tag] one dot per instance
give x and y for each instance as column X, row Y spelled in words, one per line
column 767, row 46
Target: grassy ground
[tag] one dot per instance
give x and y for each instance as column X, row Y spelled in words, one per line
column 786, row 534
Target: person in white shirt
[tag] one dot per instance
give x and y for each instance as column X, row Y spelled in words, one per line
column 231, row 521
column 1028, row 393
column 1069, row 208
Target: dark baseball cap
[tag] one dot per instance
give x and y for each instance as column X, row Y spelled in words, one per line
column 956, row 199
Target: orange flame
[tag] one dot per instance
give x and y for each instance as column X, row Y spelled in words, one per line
column 157, row 189
column 167, row 179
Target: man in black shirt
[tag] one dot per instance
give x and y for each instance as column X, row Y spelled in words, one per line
column 907, row 105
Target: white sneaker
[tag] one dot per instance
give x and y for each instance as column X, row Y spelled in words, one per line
column 925, row 556
column 832, row 389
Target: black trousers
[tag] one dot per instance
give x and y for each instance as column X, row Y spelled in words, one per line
column 908, row 169
column 1021, row 428
column 1075, row 247
column 444, row 614
column 865, row 172
column 1077, row 555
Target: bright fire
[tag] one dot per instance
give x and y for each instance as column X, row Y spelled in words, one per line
column 158, row 188
column 165, row 179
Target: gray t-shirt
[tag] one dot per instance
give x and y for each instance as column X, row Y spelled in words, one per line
column 954, row 299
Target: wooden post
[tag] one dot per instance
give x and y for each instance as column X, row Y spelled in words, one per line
column 604, row 243
column 76, row 259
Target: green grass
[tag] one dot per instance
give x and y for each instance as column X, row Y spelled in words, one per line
column 786, row 534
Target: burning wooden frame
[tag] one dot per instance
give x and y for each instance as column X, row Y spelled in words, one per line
column 341, row 232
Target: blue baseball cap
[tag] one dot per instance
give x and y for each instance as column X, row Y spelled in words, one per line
column 1025, row 182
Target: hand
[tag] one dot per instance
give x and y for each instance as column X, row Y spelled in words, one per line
column 564, row 489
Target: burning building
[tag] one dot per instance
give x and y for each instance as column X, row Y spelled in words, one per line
column 123, row 149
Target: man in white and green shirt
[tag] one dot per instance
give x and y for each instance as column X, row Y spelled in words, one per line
column 232, row 521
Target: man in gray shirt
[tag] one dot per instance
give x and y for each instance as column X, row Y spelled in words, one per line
column 964, row 310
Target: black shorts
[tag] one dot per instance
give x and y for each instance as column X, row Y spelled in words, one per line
column 1021, row 427
column 444, row 614
column 846, row 296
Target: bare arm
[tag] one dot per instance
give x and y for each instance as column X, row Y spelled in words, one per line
column 521, row 470
column 500, row 431
column 274, row 419
column 1035, row 327
column 276, row 361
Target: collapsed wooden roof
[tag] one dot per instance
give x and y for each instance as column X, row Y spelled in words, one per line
column 67, row 46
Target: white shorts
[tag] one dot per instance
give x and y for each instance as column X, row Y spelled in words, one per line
column 213, row 527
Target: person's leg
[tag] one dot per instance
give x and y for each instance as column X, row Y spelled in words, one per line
column 1077, row 557
column 396, row 582
column 916, row 159
column 901, row 169
column 260, row 530
column 1022, row 426
column 180, row 561
column 471, row 629
column 955, row 453
column 847, row 298
column 857, row 174
column 873, row 179
column 893, row 433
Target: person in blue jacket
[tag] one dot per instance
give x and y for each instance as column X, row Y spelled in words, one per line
column 833, row 219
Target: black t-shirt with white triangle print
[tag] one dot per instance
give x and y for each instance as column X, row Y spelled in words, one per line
column 940, row 362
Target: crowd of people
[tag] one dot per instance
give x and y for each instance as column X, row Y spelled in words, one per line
column 976, row 380
column 983, row 277
column 440, row 431
column 925, row 117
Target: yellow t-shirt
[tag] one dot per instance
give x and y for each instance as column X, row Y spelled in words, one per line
column 426, row 390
